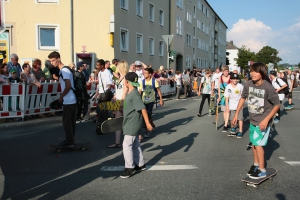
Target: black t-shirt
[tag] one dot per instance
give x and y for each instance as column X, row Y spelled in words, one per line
column 16, row 80
column 54, row 70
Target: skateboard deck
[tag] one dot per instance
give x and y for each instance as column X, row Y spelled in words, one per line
column 288, row 108
column 212, row 106
column 255, row 182
column 112, row 124
column 110, row 105
column 81, row 146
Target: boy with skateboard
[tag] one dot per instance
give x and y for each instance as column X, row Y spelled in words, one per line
column 134, row 111
column 232, row 95
column 263, row 106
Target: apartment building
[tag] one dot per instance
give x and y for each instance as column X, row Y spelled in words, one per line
column 124, row 29
column 199, row 35
column 89, row 30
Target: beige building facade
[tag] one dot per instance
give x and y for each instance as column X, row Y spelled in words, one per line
column 89, row 30
column 124, row 29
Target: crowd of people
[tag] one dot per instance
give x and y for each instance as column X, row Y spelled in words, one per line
column 136, row 86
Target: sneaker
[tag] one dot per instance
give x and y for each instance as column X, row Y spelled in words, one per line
column 239, row 135
column 258, row 174
column 127, row 172
column 252, row 170
column 199, row 115
column 78, row 121
column 229, row 134
column 276, row 120
column 65, row 144
column 138, row 169
column 225, row 129
column 232, row 130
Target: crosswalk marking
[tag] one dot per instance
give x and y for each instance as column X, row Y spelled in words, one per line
column 151, row 167
column 293, row 163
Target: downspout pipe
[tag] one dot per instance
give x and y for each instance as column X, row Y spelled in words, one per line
column 72, row 29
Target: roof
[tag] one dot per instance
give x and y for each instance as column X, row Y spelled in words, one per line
column 230, row 45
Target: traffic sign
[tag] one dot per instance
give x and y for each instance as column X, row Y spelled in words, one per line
column 167, row 38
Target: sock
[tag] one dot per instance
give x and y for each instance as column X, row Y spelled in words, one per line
column 263, row 170
column 256, row 164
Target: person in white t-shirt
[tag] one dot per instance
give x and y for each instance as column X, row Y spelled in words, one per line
column 67, row 98
column 104, row 88
column 206, row 87
column 178, row 79
column 139, row 70
column 215, row 84
column 279, row 86
column 232, row 94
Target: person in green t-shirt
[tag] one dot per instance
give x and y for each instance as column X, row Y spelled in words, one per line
column 134, row 111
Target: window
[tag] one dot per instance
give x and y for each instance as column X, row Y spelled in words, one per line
column 124, row 41
column 124, row 4
column 198, row 62
column 151, row 46
column 139, row 8
column 151, row 12
column 48, row 37
column 161, row 48
column 188, row 39
column 189, row 16
column 179, row 26
column 194, row 31
column 203, row 27
column 46, row 1
column 199, row 5
column 194, row 55
column 188, row 61
column 195, row 12
column 199, row 24
column 161, row 17
column 198, row 43
column 179, row 4
column 139, row 43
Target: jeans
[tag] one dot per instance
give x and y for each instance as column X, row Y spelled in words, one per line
column 69, row 122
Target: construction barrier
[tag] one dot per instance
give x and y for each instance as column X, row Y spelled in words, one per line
column 20, row 100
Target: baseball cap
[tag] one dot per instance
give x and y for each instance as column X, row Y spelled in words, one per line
column 274, row 73
column 132, row 78
column 234, row 76
column 291, row 68
column 137, row 62
column 79, row 64
column 13, row 71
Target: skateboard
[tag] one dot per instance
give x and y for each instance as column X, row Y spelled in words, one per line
column 288, row 109
column 112, row 124
column 81, row 146
column 110, row 105
column 212, row 106
column 255, row 182
column 55, row 105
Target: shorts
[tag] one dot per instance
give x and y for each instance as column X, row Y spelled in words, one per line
column 258, row 137
column 240, row 115
column 223, row 108
column 289, row 95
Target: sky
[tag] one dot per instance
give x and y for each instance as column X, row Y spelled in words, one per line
column 259, row 23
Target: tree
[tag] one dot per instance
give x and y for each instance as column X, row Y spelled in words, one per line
column 268, row 55
column 299, row 64
column 244, row 55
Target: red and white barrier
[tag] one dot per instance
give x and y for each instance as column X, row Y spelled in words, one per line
column 32, row 100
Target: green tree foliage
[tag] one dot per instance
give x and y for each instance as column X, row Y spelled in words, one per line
column 268, row 55
column 299, row 64
column 244, row 55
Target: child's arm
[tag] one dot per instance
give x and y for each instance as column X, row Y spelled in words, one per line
column 147, row 122
column 239, row 107
column 264, row 123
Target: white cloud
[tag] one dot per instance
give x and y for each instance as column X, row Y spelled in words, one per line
column 255, row 35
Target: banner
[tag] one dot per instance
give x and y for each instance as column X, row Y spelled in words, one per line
column 4, row 47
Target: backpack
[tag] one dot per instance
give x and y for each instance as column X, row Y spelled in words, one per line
column 295, row 84
column 79, row 89
column 285, row 90
column 153, row 86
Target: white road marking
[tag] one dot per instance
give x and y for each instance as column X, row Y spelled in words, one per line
column 282, row 158
column 293, row 163
column 151, row 167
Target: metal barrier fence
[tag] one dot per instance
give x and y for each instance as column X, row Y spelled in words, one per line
column 20, row 100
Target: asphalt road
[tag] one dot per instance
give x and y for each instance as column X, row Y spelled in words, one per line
column 212, row 164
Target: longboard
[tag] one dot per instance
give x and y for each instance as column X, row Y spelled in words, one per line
column 81, row 146
column 212, row 106
column 112, row 124
column 110, row 105
column 255, row 182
